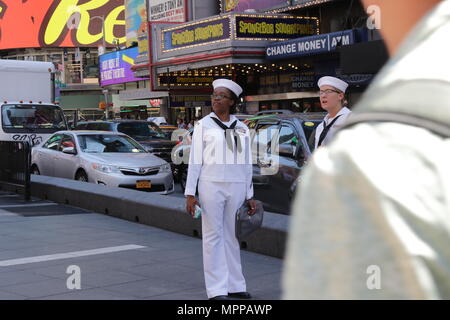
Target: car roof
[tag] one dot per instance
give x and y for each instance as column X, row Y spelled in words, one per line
column 309, row 116
column 114, row 121
column 92, row 132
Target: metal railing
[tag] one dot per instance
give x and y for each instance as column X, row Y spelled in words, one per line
column 15, row 159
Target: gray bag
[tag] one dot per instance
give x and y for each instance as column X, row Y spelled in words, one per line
column 245, row 224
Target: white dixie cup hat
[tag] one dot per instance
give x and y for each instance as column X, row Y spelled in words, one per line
column 229, row 84
column 334, row 82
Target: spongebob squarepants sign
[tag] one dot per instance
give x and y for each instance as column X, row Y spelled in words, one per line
column 61, row 23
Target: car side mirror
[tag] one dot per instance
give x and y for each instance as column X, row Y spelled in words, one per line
column 69, row 150
column 287, row 150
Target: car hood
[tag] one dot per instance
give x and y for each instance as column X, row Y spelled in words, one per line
column 125, row 159
column 158, row 143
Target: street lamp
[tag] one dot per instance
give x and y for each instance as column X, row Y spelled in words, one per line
column 101, row 50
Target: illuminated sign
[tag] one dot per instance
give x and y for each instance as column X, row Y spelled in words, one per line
column 309, row 45
column 167, row 10
column 246, row 27
column 115, row 67
column 275, row 28
column 61, row 23
column 136, row 20
column 199, row 33
column 242, row 5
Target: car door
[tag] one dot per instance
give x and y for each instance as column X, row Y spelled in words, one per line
column 263, row 160
column 45, row 156
column 66, row 164
column 291, row 159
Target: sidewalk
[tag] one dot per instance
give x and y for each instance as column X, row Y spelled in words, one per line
column 160, row 266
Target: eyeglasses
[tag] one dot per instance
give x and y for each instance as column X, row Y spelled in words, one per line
column 219, row 97
column 327, row 92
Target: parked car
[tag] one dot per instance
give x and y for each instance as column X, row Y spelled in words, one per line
column 146, row 133
column 180, row 157
column 157, row 120
column 107, row 158
column 276, row 188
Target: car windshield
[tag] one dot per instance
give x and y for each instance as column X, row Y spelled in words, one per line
column 35, row 117
column 106, row 143
column 140, row 130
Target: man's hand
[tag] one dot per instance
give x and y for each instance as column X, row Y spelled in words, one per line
column 252, row 204
column 190, row 205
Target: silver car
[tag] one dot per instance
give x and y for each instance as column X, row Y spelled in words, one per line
column 107, row 158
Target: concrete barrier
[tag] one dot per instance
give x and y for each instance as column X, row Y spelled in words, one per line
column 151, row 209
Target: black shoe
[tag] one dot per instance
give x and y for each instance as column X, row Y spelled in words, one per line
column 219, row 298
column 240, row 295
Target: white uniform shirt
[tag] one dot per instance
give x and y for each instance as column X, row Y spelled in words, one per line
column 210, row 158
column 373, row 220
column 343, row 113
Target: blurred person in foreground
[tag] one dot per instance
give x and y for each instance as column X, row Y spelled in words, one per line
column 371, row 219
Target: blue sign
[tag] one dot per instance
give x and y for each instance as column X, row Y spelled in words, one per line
column 115, row 67
column 310, row 45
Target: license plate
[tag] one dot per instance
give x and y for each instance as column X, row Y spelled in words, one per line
column 143, row 184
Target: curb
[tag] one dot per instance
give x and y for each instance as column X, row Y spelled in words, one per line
column 152, row 210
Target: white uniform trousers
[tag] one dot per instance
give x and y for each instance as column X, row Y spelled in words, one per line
column 221, row 250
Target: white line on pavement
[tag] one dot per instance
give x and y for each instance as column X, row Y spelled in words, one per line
column 6, row 213
column 68, row 255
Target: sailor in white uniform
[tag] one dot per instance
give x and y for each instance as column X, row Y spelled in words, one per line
column 220, row 163
column 332, row 97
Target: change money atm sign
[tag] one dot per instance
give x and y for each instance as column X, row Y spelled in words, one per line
column 61, row 23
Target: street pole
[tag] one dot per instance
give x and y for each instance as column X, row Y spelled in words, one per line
column 105, row 92
column 168, row 95
column 100, row 52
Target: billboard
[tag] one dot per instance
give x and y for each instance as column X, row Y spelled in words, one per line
column 115, row 67
column 61, row 23
column 167, row 10
column 136, row 19
column 242, row 5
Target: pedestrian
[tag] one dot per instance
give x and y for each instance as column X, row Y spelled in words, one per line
column 371, row 219
column 190, row 124
column 219, row 139
column 332, row 100
column 181, row 124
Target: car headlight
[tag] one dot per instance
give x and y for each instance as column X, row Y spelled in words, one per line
column 105, row 168
column 165, row 168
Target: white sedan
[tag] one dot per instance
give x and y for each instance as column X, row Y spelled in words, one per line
column 107, row 158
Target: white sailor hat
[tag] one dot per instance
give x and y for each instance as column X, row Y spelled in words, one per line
column 334, row 82
column 231, row 85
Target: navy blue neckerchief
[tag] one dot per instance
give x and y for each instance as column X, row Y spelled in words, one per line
column 232, row 133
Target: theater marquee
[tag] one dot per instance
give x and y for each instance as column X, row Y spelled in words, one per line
column 237, row 27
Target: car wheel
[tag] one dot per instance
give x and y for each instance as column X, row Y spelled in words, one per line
column 81, row 176
column 34, row 170
column 183, row 177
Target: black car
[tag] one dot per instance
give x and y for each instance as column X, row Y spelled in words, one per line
column 275, row 182
column 146, row 133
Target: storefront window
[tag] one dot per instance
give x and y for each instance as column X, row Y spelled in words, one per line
column 90, row 65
